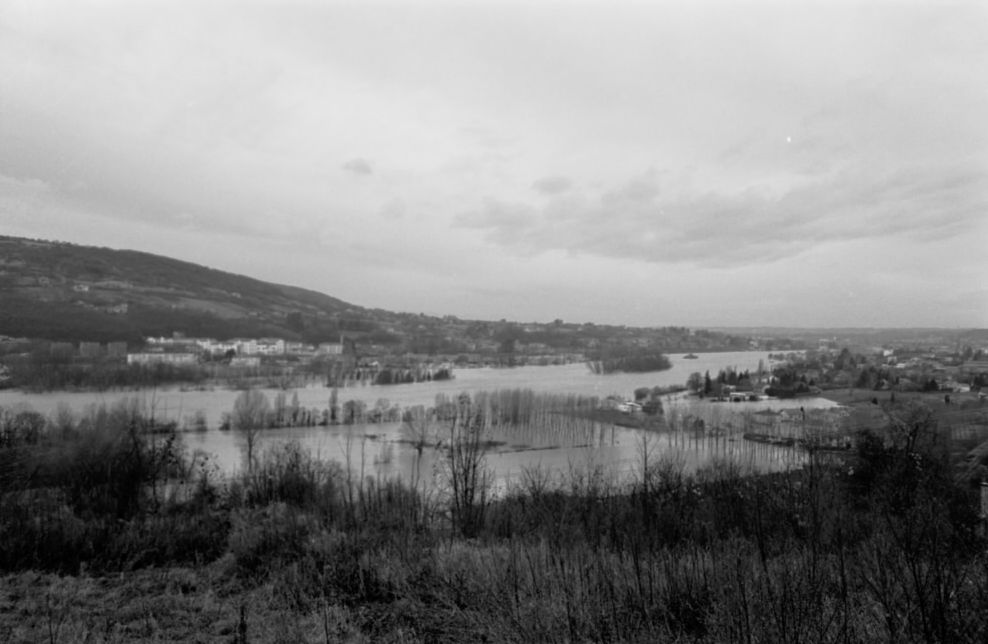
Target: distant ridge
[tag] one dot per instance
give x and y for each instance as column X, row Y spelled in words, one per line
column 68, row 292
column 65, row 292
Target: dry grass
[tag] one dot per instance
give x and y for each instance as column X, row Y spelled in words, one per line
column 206, row 604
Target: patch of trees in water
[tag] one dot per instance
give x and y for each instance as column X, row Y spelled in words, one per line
column 621, row 359
column 342, row 373
column 408, row 375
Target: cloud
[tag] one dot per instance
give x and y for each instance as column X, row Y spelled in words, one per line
column 552, row 185
column 773, row 144
column 358, row 166
column 637, row 191
column 506, row 224
column 721, row 229
column 393, row 210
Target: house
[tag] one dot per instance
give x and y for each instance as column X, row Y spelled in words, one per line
column 271, row 346
column 298, row 348
column 90, row 349
column 174, row 340
column 330, row 349
column 621, row 405
column 955, row 387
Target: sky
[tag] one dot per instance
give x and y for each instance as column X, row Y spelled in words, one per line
column 643, row 163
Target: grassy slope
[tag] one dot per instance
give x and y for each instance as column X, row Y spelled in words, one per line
column 38, row 300
column 175, row 604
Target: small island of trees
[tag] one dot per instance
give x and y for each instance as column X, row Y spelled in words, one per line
column 626, row 360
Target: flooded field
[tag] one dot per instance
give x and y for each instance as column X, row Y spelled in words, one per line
column 553, row 448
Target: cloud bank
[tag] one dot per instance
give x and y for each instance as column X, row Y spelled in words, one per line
column 443, row 157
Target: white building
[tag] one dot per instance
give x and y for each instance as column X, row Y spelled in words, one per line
column 161, row 358
column 210, row 345
column 246, row 346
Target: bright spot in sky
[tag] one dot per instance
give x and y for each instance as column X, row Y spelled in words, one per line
column 788, row 139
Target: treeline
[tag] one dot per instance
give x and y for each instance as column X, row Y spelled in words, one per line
column 705, row 385
column 253, row 410
column 44, row 372
column 886, row 550
column 27, row 317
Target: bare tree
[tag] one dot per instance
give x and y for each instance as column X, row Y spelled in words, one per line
column 418, row 428
column 250, row 415
column 468, row 476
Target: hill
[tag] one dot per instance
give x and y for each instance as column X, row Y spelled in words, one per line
column 66, row 292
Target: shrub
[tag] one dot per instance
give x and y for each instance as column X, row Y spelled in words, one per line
column 262, row 539
column 289, row 474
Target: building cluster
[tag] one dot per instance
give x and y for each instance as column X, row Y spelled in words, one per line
column 173, row 358
column 953, row 371
column 898, row 368
column 244, row 352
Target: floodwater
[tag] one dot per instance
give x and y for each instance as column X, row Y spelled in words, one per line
column 384, row 450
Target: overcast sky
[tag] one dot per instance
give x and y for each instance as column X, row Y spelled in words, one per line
column 660, row 163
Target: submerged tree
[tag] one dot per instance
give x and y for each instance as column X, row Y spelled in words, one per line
column 250, row 414
column 417, row 427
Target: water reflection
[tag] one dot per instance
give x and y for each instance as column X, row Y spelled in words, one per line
column 386, row 451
